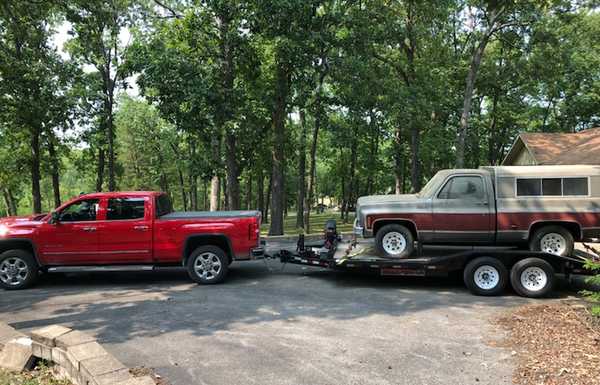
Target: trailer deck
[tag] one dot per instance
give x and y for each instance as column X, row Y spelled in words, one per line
column 485, row 269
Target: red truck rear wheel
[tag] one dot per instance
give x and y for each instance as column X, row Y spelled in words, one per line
column 208, row 265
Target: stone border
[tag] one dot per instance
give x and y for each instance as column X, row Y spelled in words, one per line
column 77, row 356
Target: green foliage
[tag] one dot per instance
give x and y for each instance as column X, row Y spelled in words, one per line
column 593, row 296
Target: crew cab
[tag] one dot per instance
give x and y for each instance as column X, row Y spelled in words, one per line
column 125, row 231
column 544, row 208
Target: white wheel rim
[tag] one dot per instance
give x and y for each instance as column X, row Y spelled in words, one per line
column 486, row 277
column 13, row 271
column 394, row 243
column 534, row 278
column 207, row 266
column 553, row 243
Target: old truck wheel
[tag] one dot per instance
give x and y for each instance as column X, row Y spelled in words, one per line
column 552, row 240
column 532, row 277
column 485, row 276
column 18, row 269
column 394, row 241
column 208, row 265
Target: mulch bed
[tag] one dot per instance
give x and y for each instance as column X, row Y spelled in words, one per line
column 554, row 344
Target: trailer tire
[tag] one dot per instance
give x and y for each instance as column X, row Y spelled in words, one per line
column 18, row 269
column 532, row 277
column 485, row 276
column 395, row 241
column 208, row 265
column 552, row 240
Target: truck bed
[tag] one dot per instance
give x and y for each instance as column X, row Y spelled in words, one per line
column 209, row 214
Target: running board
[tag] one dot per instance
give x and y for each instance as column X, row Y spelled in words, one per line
column 107, row 268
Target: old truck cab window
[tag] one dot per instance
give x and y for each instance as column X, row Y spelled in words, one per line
column 80, row 211
column 125, row 208
column 464, row 188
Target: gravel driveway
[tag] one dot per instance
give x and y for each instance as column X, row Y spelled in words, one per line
column 296, row 326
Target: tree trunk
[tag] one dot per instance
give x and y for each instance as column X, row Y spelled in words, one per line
column 415, row 163
column 233, row 173
column 100, row 170
column 310, row 191
column 398, row 161
column 193, row 177
column 470, row 84
column 35, row 170
column 182, row 188
column 215, row 183
column 278, row 154
column 249, row 190
column 373, row 150
column 268, row 200
column 54, row 169
column 110, row 133
column 260, row 193
column 301, row 173
column 9, row 200
column 353, row 158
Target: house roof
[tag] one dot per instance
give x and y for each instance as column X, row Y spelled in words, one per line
column 559, row 148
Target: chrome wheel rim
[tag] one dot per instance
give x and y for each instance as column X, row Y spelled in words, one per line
column 13, row 271
column 207, row 266
column 553, row 243
column 486, row 277
column 394, row 243
column 534, row 278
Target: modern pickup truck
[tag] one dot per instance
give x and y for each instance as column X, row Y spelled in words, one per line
column 545, row 208
column 125, row 231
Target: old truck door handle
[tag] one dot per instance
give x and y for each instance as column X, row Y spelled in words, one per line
column 140, row 228
column 90, row 229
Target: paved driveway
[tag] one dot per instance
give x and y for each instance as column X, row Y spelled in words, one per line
column 297, row 326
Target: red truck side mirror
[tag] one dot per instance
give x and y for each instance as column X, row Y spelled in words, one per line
column 54, row 218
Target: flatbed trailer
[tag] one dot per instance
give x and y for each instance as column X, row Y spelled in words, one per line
column 485, row 270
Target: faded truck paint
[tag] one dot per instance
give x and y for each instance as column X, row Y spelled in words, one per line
column 499, row 216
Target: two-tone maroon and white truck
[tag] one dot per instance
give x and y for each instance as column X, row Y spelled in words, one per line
column 519, row 219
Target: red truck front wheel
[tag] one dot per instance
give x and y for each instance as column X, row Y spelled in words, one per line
column 208, row 265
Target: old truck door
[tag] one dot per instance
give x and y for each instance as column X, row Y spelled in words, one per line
column 463, row 211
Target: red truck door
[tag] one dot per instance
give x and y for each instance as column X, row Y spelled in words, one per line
column 462, row 211
column 73, row 240
column 125, row 235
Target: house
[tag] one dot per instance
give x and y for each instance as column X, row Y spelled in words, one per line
column 548, row 148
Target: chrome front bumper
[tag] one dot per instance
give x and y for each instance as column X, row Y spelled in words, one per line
column 356, row 229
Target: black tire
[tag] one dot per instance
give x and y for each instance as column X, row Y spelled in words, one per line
column 406, row 234
column 206, row 275
column 541, row 277
column 10, row 263
column 539, row 234
column 490, row 266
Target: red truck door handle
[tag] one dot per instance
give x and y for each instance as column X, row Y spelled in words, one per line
column 89, row 229
column 140, row 228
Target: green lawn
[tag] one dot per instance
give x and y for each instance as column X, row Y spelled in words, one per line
column 317, row 221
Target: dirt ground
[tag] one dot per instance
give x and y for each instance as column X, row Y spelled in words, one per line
column 554, row 344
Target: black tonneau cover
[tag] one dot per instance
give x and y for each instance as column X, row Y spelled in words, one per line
column 210, row 214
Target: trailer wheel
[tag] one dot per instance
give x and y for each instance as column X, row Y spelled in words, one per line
column 485, row 276
column 394, row 241
column 532, row 277
column 208, row 265
column 552, row 240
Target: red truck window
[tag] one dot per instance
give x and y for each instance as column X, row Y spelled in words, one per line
column 80, row 211
column 125, row 208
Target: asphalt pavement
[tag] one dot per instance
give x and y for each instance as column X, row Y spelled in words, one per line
column 265, row 325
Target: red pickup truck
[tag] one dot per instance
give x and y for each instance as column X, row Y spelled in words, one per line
column 125, row 231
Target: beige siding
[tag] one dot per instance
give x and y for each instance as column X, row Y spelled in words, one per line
column 523, row 158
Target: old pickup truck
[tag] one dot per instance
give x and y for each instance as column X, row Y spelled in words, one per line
column 125, row 231
column 544, row 208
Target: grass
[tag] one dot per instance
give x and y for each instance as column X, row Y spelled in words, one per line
column 41, row 375
column 317, row 222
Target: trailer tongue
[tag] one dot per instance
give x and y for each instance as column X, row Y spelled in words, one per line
column 486, row 270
